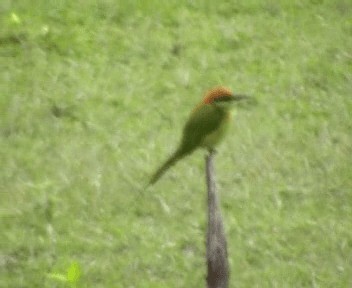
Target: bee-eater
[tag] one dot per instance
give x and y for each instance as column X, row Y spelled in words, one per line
column 207, row 125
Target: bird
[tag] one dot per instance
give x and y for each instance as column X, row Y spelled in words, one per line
column 207, row 125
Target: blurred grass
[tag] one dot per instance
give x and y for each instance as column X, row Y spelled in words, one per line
column 93, row 98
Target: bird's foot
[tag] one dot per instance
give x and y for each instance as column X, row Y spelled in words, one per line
column 212, row 151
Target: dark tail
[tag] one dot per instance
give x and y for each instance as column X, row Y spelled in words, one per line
column 170, row 162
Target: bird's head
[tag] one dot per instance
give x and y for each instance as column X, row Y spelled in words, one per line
column 222, row 97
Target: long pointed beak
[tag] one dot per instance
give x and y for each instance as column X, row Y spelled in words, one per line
column 244, row 100
column 240, row 97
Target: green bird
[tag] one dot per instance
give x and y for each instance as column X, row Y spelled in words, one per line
column 206, row 127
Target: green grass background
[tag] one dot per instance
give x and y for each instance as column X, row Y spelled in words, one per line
column 94, row 95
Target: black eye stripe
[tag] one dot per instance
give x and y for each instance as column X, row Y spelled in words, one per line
column 223, row 99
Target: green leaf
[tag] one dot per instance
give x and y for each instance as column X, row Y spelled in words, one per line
column 58, row 276
column 73, row 273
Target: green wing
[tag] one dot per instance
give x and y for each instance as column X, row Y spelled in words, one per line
column 201, row 123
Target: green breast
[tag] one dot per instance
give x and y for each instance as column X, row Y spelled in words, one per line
column 213, row 139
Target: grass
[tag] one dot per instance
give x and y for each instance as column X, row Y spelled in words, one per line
column 93, row 98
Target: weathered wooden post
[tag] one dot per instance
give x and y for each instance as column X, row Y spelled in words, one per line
column 217, row 260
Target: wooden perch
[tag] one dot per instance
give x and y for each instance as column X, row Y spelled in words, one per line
column 217, row 260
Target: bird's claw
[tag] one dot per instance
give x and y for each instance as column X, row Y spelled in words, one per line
column 212, row 151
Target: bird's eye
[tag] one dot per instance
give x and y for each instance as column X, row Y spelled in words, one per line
column 224, row 98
